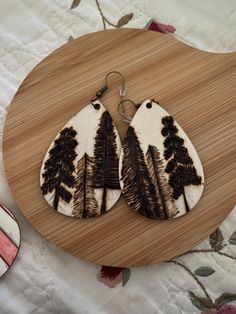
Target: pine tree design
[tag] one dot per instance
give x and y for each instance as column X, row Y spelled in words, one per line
column 106, row 160
column 84, row 202
column 162, row 188
column 138, row 187
column 58, row 169
column 180, row 165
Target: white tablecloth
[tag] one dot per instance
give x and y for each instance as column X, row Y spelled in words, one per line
column 47, row 280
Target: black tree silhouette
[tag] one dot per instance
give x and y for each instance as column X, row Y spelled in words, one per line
column 59, row 168
column 84, row 201
column 106, row 161
column 162, row 188
column 138, row 188
column 180, row 165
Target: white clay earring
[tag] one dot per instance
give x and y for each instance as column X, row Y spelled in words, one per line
column 161, row 175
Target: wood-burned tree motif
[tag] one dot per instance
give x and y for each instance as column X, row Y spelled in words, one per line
column 84, row 202
column 58, row 169
column 180, row 165
column 137, row 184
column 106, row 161
column 162, row 187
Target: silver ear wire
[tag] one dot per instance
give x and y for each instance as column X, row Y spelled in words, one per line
column 127, row 118
column 122, row 88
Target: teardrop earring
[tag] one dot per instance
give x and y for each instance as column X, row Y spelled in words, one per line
column 161, row 175
column 79, row 175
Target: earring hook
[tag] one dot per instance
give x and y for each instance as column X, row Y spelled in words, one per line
column 122, row 88
column 127, row 118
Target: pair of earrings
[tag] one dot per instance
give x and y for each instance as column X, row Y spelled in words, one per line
column 157, row 168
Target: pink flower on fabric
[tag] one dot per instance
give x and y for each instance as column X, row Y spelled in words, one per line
column 159, row 27
column 227, row 309
column 110, row 276
column 224, row 309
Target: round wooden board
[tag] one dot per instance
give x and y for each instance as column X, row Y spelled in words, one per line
column 196, row 87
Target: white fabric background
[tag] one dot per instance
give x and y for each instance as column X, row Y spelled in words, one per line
column 45, row 279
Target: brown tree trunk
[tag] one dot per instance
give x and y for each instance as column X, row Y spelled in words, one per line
column 104, row 198
column 185, row 202
column 56, row 197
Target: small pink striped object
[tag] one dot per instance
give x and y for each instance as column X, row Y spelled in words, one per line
column 9, row 238
column 160, row 27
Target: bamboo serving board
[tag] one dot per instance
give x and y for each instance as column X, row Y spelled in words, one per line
column 197, row 88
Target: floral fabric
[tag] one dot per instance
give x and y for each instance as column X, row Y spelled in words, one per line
column 46, row 280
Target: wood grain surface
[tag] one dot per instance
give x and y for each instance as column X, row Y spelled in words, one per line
column 197, row 88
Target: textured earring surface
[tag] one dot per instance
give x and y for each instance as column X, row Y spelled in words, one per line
column 79, row 175
column 9, row 239
column 161, row 174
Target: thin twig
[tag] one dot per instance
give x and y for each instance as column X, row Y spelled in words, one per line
column 193, row 276
column 209, row 251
